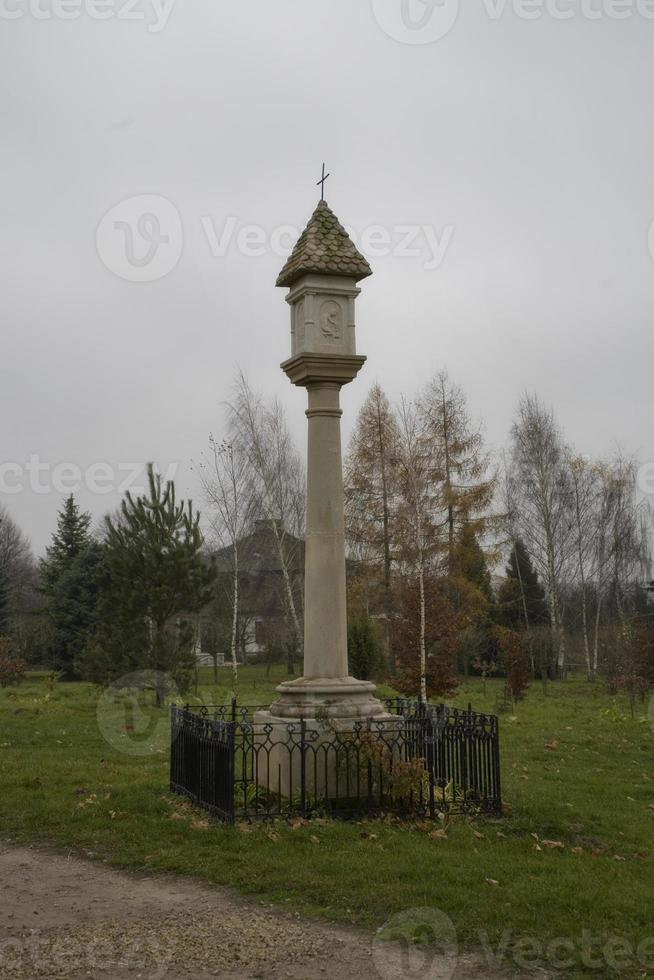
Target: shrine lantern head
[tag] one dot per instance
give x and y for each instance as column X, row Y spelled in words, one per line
column 322, row 274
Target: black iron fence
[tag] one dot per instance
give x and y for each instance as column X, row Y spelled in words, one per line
column 421, row 760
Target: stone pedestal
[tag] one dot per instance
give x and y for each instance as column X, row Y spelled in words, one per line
column 318, row 759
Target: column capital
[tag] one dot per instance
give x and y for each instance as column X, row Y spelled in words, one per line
column 314, row 369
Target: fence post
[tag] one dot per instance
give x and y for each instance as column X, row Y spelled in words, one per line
column 369, row 753
column 496, row 760
column 429, row 753
column 231, row 748
column 173, row 746
column 303, row 767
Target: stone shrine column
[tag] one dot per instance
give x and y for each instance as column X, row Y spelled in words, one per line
column 322, row 273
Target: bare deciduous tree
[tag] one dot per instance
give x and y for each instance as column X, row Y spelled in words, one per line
column 16, row 561
column 541, row 484
column 260, row 434
column 229, row 488
column 460, row 465
column 416, row 531
column 584, row 502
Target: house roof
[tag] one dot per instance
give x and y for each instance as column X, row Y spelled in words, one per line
column 258, row 552
column 324, row 247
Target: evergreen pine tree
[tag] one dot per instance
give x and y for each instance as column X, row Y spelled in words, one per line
column 74, row 607
column 469, row 588
column 69, row 589
column 364, row 654
column 154, row 578
column 72, row 537
column 521, row 598
column 470, row 561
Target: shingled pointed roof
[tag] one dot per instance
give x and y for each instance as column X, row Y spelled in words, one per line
column 326, row 248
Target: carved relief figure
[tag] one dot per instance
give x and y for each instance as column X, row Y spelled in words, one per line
column 331, row 320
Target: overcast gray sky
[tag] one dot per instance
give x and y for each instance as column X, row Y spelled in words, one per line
column 515, row 156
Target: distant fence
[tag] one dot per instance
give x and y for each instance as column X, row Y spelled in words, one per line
column 423, row 761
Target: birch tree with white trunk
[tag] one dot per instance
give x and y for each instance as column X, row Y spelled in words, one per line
column 231, row 493
column 543, row 509
column 259, row 433
column 414, row 516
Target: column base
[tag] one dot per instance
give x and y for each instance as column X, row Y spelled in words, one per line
column 310, row 758
column 334, row 697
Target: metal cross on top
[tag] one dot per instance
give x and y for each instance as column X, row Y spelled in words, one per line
column 322, row 183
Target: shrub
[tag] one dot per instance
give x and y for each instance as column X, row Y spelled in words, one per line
column 364, row 652
column 514, row 660
column 12, row 670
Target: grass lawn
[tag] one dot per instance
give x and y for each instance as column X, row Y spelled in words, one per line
column 571, row 861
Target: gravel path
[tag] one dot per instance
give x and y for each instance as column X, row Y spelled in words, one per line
column 62, row 917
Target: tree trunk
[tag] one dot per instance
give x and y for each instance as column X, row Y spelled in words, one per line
column 596, row 631
column 235, row 625
column 525, row 612
column 448, row 487
column 288, row 588
column 423, row 651
column 388, row 600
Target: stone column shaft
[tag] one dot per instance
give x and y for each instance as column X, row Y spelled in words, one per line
column 325, row 623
